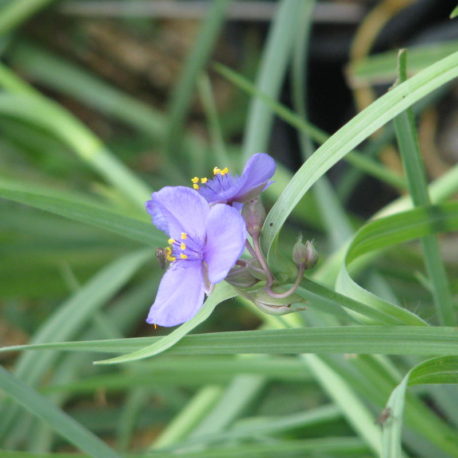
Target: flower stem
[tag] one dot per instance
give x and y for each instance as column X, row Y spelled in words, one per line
column 259, row 255
column 300, row 274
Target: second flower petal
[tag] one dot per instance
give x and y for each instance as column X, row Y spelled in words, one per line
column 226, row 236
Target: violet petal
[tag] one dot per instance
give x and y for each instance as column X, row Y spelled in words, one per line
column 180, row 294
column 176, row 209
column 257, row 173
column 226, row 235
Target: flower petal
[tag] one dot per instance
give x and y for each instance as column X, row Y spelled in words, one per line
column 180, row 294
column 226, row 235
column 176, row 209
column 258, row 171
column 220, row 189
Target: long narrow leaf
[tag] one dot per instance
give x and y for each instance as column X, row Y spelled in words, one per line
column 394, row 340
column 354, row 132
column 66, row 426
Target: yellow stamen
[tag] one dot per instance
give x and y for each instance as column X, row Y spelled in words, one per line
column 168, row 254
column 184, row 236
column 203, row 180
column 195, row 180
column 182, row 246
column 171, row 241
column 183, row 256
column 196, row 186
column 218, row 171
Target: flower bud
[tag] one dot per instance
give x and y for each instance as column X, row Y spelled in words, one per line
column 241, row 277
column 280, row 306
column 304, row 254
column 254, row 214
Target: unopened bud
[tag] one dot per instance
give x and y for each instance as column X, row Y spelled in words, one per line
column 241, row 277
column 304, row 254
column 254, row 214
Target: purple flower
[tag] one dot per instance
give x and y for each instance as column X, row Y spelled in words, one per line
column 205, row 242
column 227, row 188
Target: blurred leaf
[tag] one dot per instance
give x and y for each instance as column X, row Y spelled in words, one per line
column 66, row 426
column 386, row 232
column 437, row 370
column 15, row 12
column 381, row 68
column 79, row 210
column 69, row 318
column 353, row 133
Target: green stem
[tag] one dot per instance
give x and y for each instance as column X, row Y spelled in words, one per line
column 418, row 188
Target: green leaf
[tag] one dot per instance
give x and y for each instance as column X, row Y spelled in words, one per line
column 390, row 340
column 437, row 370
column 274, row 63
column 14, row 13
column 26, row 104
column 353, row 133
column 343, row 395
column 66, row 426
column 386, row 232
column 186, row 87
column 222, row 292
column 71, row 316
column 409, row 149
column 381, row 68
column 75, row 208
column 358, row 160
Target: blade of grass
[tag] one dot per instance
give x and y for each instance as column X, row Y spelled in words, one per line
column 333, row 215
column 182, row 95
column 213, row 123
column 437, row 370
column 354, row 132
column 66, row 426
column 418, row 189
column 381, row 68
column 274, row 62
column 390, row 340
column 16, row 12
column 248, row 428
column 368, row 165
column 222, row 292
column 71, row 316
column 78, row 210
column 355, row 411
column 386, row 232
column 27, row 104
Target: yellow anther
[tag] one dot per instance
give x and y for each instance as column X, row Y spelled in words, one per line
column 184, row 236
column 183, row 256
column 195, row 180
column 203, row 180
column 168, row 254
column 196, row 186
column 218, row 171
column 171, row 241
column 182, row 246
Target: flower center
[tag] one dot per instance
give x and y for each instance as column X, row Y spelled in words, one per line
column 181, row 250
column 216, row 171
